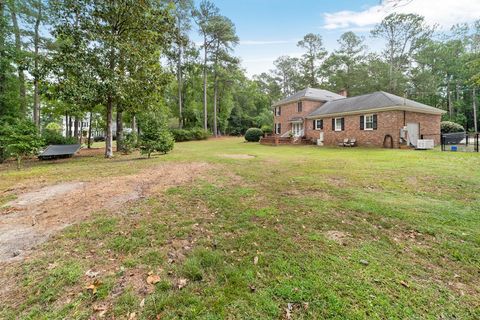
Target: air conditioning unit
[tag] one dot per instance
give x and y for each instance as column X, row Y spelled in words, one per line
column 320, row 140
column 425, row 144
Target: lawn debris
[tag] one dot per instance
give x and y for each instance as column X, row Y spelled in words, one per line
column 93, row 287
column 255, row 260
column 153, row 279
column 92, row 274
column 364, row 262
column 403, row 283
column 181, row 283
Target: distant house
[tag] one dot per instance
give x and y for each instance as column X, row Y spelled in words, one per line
column 377, row 119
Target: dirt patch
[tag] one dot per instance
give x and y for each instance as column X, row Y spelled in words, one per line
column 338, row 236
column 238, row 156
column 37, row 214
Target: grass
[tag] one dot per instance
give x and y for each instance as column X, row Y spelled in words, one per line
column 253, row 238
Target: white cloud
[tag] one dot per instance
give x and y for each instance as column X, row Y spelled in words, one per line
column 443, row 13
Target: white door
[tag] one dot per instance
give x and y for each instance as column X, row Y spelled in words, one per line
column 297, row 129
column 413, row 131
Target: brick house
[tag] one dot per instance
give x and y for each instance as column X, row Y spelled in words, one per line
column 377, row 119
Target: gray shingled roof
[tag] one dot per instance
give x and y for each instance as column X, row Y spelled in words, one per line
column 371, row 101
column 310, row 94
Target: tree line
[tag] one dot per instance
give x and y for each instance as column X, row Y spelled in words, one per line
column 441, row 69
column 129, row 61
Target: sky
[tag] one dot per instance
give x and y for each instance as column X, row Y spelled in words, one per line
column 271, row 28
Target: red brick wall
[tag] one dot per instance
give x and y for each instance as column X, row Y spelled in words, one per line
column 290, row 110
column 388, row 123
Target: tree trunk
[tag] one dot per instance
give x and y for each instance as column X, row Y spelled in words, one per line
column 119, row 133
column 89, row 143
column 18, row 49
column 215, row 130
column 134, row 124
column 70, row 126
column 108, row 138
column 205, row 115
column 81, row 131
column 449, row 98
column 179, row 76
column 474, row 98
column 36, row 91
column 75, row 128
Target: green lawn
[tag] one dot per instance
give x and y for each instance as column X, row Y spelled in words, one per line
column 296, row 232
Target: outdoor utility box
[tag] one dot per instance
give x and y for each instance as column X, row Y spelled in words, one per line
column 453, row 148
column 425, row 144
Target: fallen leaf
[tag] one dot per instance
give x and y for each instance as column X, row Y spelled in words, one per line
column 403, row 283
column 181, row 283
column 93, row 287
column 91, row 274
column 142, row 303
column 252, row 288
column 153, row 279
column 255, row 260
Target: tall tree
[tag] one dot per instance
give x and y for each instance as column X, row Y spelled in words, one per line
column 315, row 52
column 204, row 16
column 183, row 8
column 343, row 68
column 223, row 36
column 15, row 7
column 116, row 32
column 405, row 34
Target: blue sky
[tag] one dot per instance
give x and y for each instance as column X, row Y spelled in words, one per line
column 271, row 28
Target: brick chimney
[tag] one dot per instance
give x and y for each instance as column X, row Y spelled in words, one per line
column 343, row 92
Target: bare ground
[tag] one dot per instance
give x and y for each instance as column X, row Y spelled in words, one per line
column 36, row 214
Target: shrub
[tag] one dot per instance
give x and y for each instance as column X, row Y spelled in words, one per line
column 267, row 129
column 19, row 139
column 155, row 137
column 54, row 137
column 130, row 143
column 451, row 127
column 200, row 134
column 253, row 134
column 189, row 134
column 181, row 135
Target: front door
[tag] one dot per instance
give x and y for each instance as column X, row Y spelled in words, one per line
column 297, row 129
column 413, row 131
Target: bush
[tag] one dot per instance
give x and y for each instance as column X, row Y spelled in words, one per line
column 19, row 139
column 181, row 135
column 130, row 143
column 189, row 134
column 200, row 134
column 267, row 129
column 451, row 127
column 253, row 134
column 154, row 136
column 54, row 137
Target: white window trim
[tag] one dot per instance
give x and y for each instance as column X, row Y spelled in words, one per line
column 365, row 122
column 277, row 127
column 317, row 121
column 277, row 111
column 339, row 127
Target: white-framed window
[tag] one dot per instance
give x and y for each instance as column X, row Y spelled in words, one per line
column 338, row 124
column 278, row 128
column 318, row 124
column 368, row 122
column 278, row 111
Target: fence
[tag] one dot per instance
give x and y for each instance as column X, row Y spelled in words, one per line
column 461, row 141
